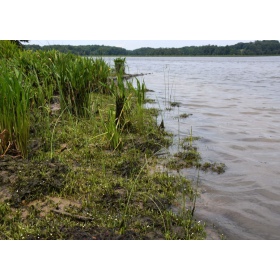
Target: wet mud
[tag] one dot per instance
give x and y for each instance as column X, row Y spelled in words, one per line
column 23, row 181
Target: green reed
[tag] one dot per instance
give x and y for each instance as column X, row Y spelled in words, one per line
column 113, row 132
column 77, row 77
column 122, row 96
column 128, row 109
column 15, row 91
column 140, row 92
column 120, row 65
column 31, row 79
column 100, row 72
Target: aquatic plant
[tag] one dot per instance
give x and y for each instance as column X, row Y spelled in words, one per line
column 113, row 132
column 120, row 65
column 140, row 92
column 15, row 92
column 77, row 78
column 214, row 167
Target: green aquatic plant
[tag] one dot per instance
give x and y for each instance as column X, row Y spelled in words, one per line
column 184, row 116
column 77, row 78
column 120, row 65
column 219, row 168
column 123, row 93
column 15, row 91
column 113, row 132
column 175, row 104
column 100, row 72
column 140, row 92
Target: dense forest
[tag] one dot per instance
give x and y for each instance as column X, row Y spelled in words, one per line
column 265, row 47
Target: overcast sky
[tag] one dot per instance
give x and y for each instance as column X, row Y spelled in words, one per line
column 121, row 23
column 135, row 44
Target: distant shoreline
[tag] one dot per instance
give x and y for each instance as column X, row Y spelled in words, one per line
column 181, row 55
column 257, row 48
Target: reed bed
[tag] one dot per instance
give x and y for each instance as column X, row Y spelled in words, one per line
column 29, row 81
column 14, row 106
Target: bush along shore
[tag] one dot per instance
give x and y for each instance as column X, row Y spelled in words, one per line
column 78, row 154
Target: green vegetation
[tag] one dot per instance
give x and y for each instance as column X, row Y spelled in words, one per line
column 29, row 81
column 265, row 47
column 189, row 157
column 184, row 116
column 120, row 65
column 78, row 154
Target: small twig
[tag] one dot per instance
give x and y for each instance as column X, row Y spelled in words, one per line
column 6, row 150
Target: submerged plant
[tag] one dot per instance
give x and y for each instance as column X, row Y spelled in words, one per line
column 214, row 167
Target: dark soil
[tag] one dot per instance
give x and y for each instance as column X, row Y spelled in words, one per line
column 97, row 233
column 23, row 181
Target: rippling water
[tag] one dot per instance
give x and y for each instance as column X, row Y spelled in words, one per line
column 235, row 107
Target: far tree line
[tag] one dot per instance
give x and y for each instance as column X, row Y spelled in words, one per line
column 265, row 47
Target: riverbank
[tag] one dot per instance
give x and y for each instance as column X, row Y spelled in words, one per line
column 89, row 191
column 83, row 165
column 236, row 118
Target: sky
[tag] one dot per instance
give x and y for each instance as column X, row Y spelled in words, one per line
column 135, row 44
column 175, row 23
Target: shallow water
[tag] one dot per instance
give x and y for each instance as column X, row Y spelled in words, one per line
column 235, row 107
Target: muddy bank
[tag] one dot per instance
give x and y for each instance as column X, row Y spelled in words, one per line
column 89, row 191
column 23, row 181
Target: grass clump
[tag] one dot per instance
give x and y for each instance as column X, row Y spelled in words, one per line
column 174, row 104
column 219, row 168
column 189, row 157
column 184, row 116
column 120, row 65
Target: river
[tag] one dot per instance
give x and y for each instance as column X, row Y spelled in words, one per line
column 234, row 104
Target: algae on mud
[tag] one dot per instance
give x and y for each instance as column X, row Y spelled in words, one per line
column 86, row 175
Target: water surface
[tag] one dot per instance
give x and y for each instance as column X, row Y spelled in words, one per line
column 235, row 107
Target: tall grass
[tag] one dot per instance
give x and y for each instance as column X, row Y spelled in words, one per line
column 122, row 93
column 140, row 92
column 120, row 65
column 77, row 77
column 15, row 92
column 100, row 72
column 128, row 108
column 113, row 132
column 30, row 79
